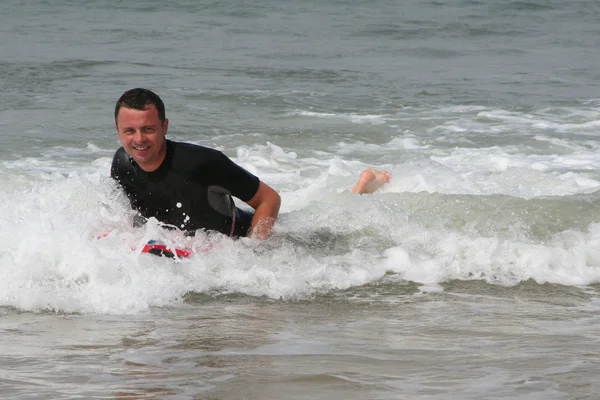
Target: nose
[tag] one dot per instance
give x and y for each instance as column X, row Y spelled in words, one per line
column 138, row 136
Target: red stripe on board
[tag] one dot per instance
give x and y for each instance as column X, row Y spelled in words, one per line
column 161, row 248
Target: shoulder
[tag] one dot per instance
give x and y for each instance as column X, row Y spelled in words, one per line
column 120, row 154
column 193, row 149
column 193, row 154
column 121, row 159
column 121, row 163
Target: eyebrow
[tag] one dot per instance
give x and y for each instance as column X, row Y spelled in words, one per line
column 141, row 127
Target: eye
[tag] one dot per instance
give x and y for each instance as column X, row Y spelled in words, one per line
column 148, row 129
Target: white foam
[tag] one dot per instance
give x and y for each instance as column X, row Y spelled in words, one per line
column 50, row 258
column 496, row 171
column 408, row 142
column 570, row 258
column 350, row 117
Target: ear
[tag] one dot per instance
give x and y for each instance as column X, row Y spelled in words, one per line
column 165, row 126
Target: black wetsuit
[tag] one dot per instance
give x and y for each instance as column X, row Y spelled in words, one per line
column 190, row 190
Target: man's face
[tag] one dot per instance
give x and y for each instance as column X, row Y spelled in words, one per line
column 142, row 135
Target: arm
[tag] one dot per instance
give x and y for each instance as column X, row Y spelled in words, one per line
column 266, row 204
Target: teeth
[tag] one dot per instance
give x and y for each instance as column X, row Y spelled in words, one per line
column 141, row 148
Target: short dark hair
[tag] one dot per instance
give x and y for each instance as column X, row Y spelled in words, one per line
column 140, row 99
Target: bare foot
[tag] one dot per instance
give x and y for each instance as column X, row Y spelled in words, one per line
column 371, row 180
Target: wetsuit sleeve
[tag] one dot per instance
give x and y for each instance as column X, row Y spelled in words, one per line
column 239, row 182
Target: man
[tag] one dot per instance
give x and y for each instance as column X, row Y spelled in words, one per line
column 183, row 185
column 188, row 186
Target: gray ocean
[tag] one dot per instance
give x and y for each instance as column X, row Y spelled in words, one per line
column 474, row 274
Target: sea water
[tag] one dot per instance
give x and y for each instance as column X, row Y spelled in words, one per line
column 473, row 274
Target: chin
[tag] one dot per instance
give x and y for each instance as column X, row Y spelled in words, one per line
column 137, row 158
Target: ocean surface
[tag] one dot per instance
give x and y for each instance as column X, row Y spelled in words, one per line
column 475, row 274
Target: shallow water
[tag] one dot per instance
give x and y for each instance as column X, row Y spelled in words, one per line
column 385, row 340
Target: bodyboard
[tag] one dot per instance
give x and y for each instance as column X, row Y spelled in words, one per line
column 160, row 249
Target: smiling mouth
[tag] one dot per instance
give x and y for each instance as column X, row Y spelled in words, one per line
column 140, row 148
